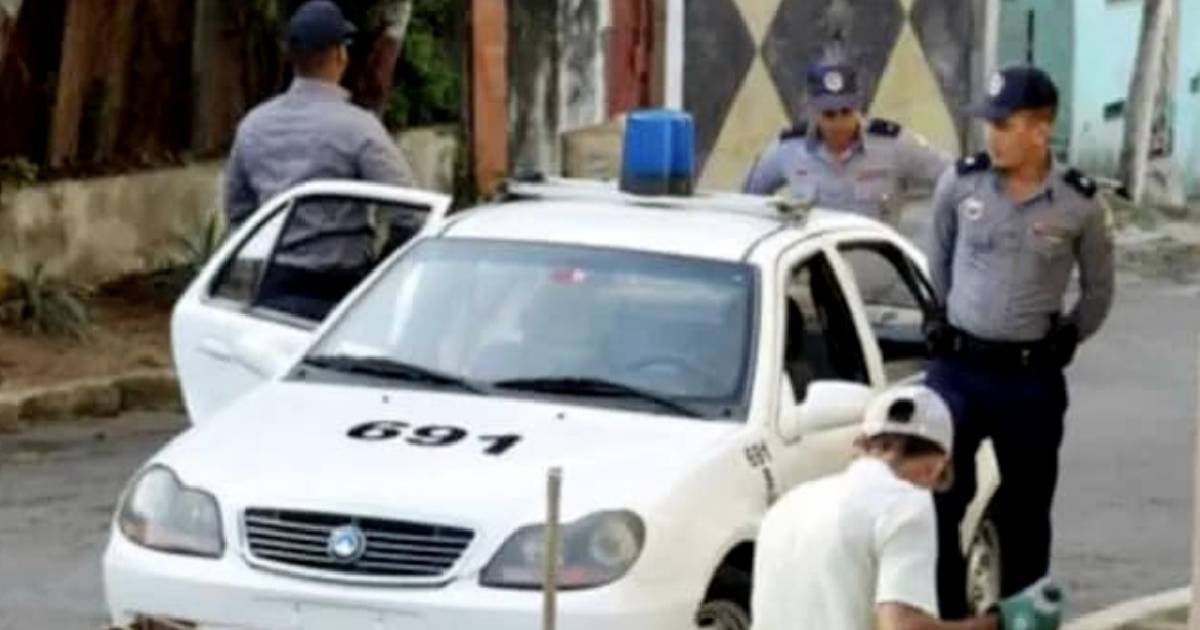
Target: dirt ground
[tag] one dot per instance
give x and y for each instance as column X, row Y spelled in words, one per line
column 130, row 332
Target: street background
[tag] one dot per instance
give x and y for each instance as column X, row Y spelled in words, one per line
column 1123, row 515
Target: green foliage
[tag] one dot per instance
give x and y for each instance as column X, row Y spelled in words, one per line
column 428, row 79
column 17, row 171
column 174, row 276
column 46, row 306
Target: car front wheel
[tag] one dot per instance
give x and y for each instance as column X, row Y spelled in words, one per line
column 722, row 614
column 983, row 568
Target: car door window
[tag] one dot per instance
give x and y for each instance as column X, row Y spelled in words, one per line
column 300, row 263
column 820, row 342
column 895, row 298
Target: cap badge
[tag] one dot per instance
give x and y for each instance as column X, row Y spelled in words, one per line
column 996, row 85
column 834, row 81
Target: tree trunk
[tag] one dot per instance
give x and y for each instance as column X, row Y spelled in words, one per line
column 27, row 79
column 236, row 62
column 1143, row 94
column 7, row 24
column 381, row 39
column 121, row 99
column 533, row 85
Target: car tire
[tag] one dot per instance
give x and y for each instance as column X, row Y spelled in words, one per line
column 722, row 614
column 983, row 567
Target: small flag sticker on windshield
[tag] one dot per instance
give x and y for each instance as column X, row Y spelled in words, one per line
column 573, row 275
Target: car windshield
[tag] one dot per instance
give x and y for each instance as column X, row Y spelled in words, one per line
column 603, row 326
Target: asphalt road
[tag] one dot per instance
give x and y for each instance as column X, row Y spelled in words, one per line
column 58, row 485
column 1123, row 515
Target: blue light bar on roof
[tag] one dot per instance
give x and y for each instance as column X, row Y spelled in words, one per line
column 659, row 153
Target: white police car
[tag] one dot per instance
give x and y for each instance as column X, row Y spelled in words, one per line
column 683, row 359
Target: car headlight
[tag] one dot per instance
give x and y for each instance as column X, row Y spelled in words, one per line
column 595, row 550
column 161, row 513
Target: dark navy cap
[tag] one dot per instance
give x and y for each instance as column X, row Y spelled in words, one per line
column 1015, row 88
column 833, row 86
column 317, row 25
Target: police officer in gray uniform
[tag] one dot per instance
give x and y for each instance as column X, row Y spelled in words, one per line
column 313, row 132
column 841, row 160
column 1009, row 227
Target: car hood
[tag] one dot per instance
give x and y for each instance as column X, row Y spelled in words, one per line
column 451, row 457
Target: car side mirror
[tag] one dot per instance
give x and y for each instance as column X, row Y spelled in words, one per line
column 827, row 405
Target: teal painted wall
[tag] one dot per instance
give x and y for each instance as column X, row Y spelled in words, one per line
column 1051, row 46
column 1105, row 51
column 1187, row 96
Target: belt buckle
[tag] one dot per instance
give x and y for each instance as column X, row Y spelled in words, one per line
column 1025, row 355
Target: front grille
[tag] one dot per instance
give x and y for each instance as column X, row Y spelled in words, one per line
column 403, row 550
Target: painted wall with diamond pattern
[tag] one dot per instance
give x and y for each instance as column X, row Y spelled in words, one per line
column 744, row 63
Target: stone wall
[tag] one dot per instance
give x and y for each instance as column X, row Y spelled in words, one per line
column 96, row 230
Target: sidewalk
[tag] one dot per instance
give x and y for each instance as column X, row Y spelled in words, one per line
column 1162, row 611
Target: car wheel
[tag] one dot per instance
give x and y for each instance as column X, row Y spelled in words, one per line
column 722, row 614
column 983, row 568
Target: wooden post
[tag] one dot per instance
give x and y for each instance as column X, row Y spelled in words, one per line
column 488, row 78
column 550, row 551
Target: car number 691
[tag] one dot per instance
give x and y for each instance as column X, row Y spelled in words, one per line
column 430, row 436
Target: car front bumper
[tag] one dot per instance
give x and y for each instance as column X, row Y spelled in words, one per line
column 228, row 593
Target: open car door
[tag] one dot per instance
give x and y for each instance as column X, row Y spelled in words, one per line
column 251, row 311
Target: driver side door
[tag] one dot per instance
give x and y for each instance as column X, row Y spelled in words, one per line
column 249, row 312
column 821, row 349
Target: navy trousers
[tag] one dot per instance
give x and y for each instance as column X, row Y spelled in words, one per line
column 1022, row 411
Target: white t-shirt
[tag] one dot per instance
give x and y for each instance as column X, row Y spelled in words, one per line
column 831, row 550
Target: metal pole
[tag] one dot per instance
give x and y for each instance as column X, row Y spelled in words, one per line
column 673, row 92
column 1194, row 617
column 991, row 37
column 550, row 552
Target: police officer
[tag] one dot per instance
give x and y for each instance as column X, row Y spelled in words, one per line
column 839, row 159
column 1009, row 227
column 311, row 132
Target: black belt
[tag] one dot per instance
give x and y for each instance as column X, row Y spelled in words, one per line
column 1006, row 354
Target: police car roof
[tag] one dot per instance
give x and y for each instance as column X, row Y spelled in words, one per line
column 723, row 226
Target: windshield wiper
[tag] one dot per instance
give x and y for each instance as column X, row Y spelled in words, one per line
column 390, row 368
column 594, row 387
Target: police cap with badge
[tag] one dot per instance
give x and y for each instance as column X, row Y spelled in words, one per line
column 833, row 87
column 1016, row 88
column 1010, row 90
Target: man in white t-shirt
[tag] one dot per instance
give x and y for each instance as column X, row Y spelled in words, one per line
column 858, row 551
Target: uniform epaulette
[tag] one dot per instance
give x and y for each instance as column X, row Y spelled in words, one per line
column 799, row 131
column 973, row 163
column 884, row 127
column 1082, row 184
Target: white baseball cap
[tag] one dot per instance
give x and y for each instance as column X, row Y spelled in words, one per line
column 912, row 410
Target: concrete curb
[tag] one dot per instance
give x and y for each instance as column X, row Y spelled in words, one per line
column 1144, row 609
column 141, row 390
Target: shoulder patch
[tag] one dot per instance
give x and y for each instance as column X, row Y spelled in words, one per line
column 799, row 131
column 1082, row 184
column 883, row 127
column 973, row 163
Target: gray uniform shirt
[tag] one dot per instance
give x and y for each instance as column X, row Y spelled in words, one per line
column 310, row 132
column 871, row 180
column 1002, row 268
